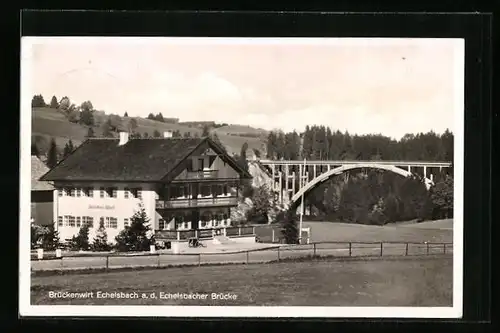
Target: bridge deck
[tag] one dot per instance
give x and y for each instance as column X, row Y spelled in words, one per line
column 350, row 162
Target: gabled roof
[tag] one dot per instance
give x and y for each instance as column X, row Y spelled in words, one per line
column 141, row 160
column 38, row 168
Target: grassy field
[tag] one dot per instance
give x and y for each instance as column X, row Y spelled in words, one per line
column 49, row 123
column 423, row 281
column 429, row 231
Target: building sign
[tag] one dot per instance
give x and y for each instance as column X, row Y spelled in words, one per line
column 101, row 207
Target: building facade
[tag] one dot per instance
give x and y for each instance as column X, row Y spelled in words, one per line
column 182, row 184
column 41, row 194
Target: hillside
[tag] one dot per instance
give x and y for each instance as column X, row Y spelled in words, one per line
column 241, row 130
column 50, row 123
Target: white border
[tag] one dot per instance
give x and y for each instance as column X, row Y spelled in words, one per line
column 26, row 309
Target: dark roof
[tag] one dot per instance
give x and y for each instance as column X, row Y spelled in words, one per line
column 38, row 168
column 137, row 160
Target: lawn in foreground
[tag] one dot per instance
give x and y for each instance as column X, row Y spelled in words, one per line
column 322, row 282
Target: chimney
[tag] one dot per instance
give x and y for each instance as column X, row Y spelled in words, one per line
column 167, row 134
column 123, row 138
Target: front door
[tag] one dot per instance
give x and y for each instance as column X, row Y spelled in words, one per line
column 195, row 218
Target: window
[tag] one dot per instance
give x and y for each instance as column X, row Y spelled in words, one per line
column 72, row 192
column 137, row 193
column 71, row 221
column 78, row 192
column 201, row 164
column 179, row 222
column 59, row 221
column 101, row 192
column 78, row 221
column 89, row 192
column 111, row 222
column 206, row 190
column 67, row 191
column 88, row 220
column 112, row 192
column 126, row 192
column 161, row 224
column 60, row 192
column 125, row 222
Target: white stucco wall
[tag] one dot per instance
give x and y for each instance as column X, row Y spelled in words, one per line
column 97, row 207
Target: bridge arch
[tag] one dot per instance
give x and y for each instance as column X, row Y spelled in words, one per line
column 344, row 168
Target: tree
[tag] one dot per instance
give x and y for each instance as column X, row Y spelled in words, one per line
column 52, row 156
column 135, row 238
column 289, row 226
column 37, row 234
column 159, row 117
column 68, row 148
column 243, row 156
column 106, row 129
column 74, row 116
column 64, row 103
column 81, row 241
column 90, row 133
column 34, row 150
column 87, row 106
column 132, row 125
column 151, row 116
column 87, row 117
column 53, row 103
column 186, row 134
column 262, row 204
column 38, row 102
column 206, row 131
column 441, row 195
column 125, row 115
column 156, row 134
column 50, row 240
column 145, row 135
column 100, row 242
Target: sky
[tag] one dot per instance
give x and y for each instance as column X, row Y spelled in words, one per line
column 387, row 86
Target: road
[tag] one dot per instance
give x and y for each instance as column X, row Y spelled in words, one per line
column 251, row 256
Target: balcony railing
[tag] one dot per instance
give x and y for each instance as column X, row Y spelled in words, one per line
column 203, row 233
column 202, row 174
column 199, row 202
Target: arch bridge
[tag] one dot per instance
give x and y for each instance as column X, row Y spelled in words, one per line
column 290, row 179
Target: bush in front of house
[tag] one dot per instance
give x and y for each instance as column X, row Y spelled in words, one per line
column 81, row 241
column 134, row 237
column 100, row 242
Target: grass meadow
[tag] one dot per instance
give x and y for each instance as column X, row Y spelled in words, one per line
column 425, row 281
column 386, row 281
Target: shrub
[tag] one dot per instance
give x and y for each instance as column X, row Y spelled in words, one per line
column 134, row 238
column 50, row 239
column 100, row 242
column 81, row 241
column 289, row 226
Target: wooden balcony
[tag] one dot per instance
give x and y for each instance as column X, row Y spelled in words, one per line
column 196, row 203
column 202, row 174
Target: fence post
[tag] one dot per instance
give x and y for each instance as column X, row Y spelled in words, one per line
column 427, row 248
column 199, row 259
column 247, row 255
column 444, row 248
column 159, row 255
column 350, row 249
column 406, row 249
column 253, row 230
column 314, row 244
column 107, row 262
column 239, row 231
column 272, row 235
column 381, row 246
column 278, row 253
column 62, row 266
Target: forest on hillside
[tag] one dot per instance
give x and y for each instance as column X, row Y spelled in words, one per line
column 374, row 196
